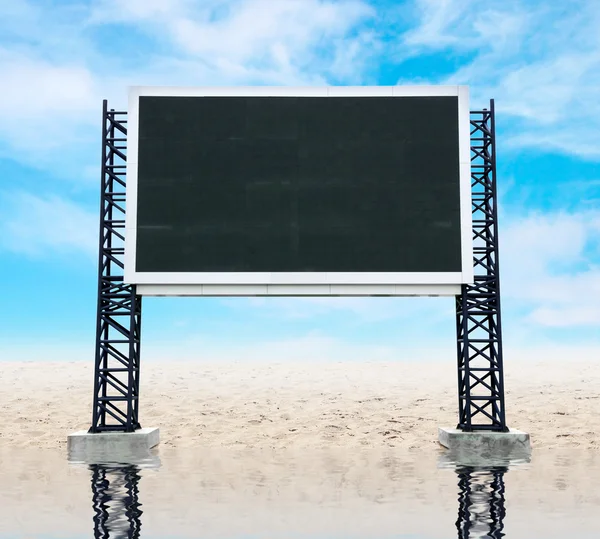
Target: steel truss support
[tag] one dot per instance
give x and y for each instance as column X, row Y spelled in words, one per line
column 478, row 327
column 118, row 330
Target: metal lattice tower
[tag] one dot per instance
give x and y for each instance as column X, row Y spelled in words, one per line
column 118, row 331
column 479, row 331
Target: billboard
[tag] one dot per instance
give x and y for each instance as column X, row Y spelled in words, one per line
column 299, row 191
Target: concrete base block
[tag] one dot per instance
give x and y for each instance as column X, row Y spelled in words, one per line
column 485, row 446
column 113, row 447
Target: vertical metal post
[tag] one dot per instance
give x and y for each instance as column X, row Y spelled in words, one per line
column 118, row 328
column 99, row 329
column 478, row 317
column 500, row 356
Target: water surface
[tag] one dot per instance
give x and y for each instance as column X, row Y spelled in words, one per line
column 332, row 493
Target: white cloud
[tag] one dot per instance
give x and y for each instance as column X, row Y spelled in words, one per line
column 538, row 239
column 365, row 309
column 465, row 25
column 309, row 348
column 33, row 225
column 539, row 61
column 138, row 10
column 542, row 91
column 547, row 267
column 46, row 108
column 255, row 29
column 257, row 41
column 50, row 94
column 542, row 64
column 33, row 87
column 437, row 21
column 55, row 72
column 575, row 315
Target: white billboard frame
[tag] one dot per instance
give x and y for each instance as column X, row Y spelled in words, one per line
column 300, row 283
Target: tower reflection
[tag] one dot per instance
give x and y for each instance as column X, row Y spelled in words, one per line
column 481, row 504
column 115, row 501
column 481, row 498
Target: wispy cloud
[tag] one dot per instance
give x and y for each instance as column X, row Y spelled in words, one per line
column 238, row 40
column 35, row 225
column 46, row 109
column 55, row 69
column 257, row 41
column 540, row 61
column 50, row 95
column 548, row 267
column 439, row 20
column 313, row 347
column 466, row 25
column 362, row 310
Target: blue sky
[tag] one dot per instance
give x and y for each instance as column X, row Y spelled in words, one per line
column 539, row 60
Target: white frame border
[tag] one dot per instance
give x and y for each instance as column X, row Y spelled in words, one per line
column 301, row 283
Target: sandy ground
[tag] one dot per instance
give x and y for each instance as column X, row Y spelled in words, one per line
column 300, row 406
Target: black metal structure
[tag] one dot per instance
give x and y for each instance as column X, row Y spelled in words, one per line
column 115, row 501
column 481, row 503
column 479, row 336
column 118, row 331
column 478, row 326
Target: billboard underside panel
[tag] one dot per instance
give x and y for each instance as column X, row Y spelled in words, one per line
column 297, row 290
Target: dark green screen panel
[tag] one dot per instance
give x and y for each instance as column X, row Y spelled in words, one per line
column 298, row 184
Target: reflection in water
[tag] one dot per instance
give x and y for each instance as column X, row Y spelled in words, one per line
column 309, row 493
column 481, row 503
column 115, row 501
column 481, row 508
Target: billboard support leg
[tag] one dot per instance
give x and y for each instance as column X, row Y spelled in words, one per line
column 118, row 328
column 478, row 324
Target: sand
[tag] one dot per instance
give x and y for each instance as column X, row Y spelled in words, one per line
column 300, row 406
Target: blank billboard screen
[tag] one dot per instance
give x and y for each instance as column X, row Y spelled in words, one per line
column 297, row 184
